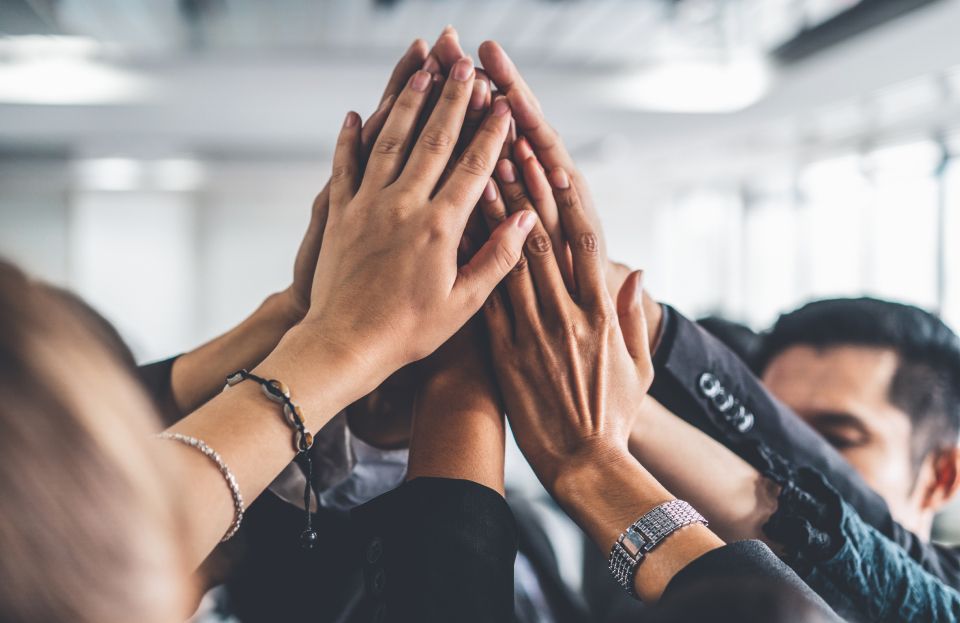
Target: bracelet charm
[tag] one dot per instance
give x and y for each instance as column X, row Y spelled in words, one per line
column 278, row 392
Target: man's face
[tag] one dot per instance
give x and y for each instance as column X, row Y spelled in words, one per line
column 843, row 393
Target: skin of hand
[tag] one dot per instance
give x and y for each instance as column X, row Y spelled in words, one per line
column 198, row 375
column 544, row 140
column 537, row 140
column 387, row 290
column 571, row 385
column 561, row 354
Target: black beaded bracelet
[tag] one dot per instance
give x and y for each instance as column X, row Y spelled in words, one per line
column 278, row 392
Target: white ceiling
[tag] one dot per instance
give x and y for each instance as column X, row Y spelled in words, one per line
column 272, row 80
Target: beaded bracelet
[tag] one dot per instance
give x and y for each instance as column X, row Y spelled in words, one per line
column 212, row 454
column 278, row 392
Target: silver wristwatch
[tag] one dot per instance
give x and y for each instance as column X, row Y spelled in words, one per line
column 645, row 534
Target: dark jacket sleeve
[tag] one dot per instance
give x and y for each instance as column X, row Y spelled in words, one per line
column 862, row 574
column 155, row 378
column 702, row 381
column 437, row 549
column 742, row 581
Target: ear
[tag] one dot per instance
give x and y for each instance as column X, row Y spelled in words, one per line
column 945, row 483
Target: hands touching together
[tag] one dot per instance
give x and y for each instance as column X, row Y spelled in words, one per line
column 377, row 285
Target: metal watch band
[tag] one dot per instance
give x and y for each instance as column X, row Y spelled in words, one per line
column 645, row 534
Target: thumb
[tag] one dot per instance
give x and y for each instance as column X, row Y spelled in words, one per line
column 495, row 259
column 633, row 321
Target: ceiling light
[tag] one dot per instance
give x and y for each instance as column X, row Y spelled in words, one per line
column 694, row 86
column 63, row 70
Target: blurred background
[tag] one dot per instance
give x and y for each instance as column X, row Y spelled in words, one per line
column 160, row 157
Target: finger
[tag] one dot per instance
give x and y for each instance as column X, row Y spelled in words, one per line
column 633, row 321
column 531, row 122
column 435, row 144
column 345, row 179
column 447, row 49
column 502, row 70
column 541, row 194
column 391, row 147
column 463, row 188
column 535, row 282
column 492, row 262
column 476, row 111
column 518, row 283
column 374, row 124
column 588, row 262
column 499, row 325
column 479, row 99
column 409, row 63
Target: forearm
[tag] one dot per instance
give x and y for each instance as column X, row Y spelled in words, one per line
column 731, row 494
column 605, row 493
column 458, row 432
column 199, row 375
column 251, row 435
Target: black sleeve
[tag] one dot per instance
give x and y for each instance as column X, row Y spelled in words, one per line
column 698, row 378
column 741, row 581
column 437, row 549
column 155, row 378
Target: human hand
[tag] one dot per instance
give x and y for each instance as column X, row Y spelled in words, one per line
column 570, row 384
column 297, row 295
column 532, row 124
column 387, row 290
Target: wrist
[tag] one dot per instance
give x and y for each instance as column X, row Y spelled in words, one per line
column 324, row 376
column 605, row 489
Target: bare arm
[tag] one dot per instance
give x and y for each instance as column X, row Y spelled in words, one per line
column 730, row 493
column 458, row 429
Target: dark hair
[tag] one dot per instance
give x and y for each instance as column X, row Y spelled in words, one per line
column 741, row 339
column 927, row 382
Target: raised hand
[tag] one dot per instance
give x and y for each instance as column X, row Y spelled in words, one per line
column 387, row 288
column 298, row 294
column 532, row 124
column 570, row 385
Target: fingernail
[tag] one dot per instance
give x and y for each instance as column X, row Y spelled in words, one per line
column 479, row 96
column 351, row 120
column 506, row 172
column 490, row 192
column 526, row 220
column 500, row 106
column 462, row 69
column 420, row 81
column 559, row 179
column 448, row 30
column 431, row 65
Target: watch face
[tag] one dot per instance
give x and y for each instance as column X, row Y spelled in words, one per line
column 633, row 543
